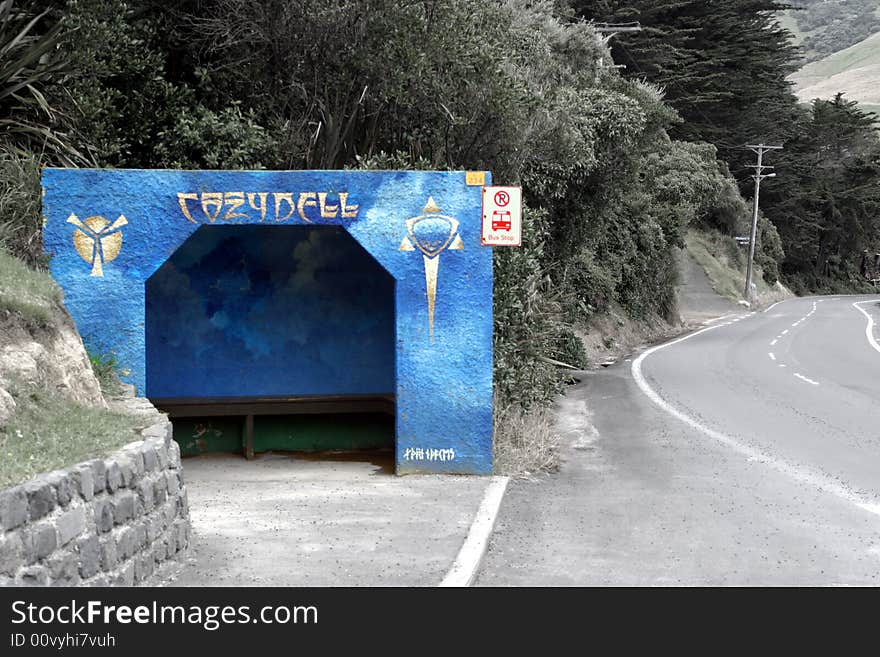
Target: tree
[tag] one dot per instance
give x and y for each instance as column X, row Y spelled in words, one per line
column 511, row 86
column 834, row 164
column 136, row 102
column 723, row 67
column 30, row 61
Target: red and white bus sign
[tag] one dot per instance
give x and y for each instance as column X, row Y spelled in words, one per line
column 502, row 216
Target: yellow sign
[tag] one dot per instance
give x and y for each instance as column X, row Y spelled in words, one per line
column 475, row 178
column 97, row 240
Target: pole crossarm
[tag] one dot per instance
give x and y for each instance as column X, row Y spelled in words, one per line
column 608, row 30
column 613, row 28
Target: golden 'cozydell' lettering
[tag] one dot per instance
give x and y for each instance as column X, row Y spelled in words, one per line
column 310, row 207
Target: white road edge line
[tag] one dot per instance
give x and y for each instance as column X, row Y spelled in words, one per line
column 869, row 329
column 717, row 319
column 799, row 474
column 803, row 378
column 464, row 568
column 771, row 307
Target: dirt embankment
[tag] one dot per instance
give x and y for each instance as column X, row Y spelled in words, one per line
column 707, row 289
column 713, row 273
column 49, row 354
column 610, row 336
column 39, row 344
column 53, row 412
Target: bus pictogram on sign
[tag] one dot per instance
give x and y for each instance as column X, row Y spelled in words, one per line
column 501, row 220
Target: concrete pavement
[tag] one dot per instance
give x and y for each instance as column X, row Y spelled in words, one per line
column 770, row 480
column 290, row 520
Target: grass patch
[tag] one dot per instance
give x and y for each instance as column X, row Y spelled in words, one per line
column 853, row 71
column 525, row 442
column 787, row 21
column 48, row 432
column 863, row 53
column 724, row 262
column 104, row 368
column 26, row 292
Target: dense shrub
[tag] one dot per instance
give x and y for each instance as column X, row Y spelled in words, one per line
column 130, row 108
column 528, row 319
column 768, row 250
column 21, row 223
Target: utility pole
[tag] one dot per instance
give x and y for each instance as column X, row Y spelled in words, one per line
column 759, row 149
column 608, row 30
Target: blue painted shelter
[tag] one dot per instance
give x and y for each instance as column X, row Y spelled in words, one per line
column 231, row 285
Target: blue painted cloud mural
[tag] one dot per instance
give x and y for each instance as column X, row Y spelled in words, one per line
column 256, row 311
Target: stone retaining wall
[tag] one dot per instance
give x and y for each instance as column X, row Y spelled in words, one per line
column 115, row 521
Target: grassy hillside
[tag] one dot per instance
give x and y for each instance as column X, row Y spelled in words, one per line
column 40, row 428
column 854, row 71
column 725, row 264
column 824, row 27
column 30, row 294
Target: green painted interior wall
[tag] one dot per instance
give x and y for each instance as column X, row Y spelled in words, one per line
column 310, row 433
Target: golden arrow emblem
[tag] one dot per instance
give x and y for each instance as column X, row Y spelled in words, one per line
column 431, row 233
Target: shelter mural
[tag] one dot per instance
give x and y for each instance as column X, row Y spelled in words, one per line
column 296, row 284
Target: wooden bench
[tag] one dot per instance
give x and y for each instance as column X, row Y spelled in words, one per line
column 248, row 407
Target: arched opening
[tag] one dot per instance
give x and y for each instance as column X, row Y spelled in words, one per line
column 262, row 338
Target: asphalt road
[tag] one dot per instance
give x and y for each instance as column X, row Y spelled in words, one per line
column 747, row 453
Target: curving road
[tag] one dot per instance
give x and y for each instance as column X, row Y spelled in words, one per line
column 745, row 453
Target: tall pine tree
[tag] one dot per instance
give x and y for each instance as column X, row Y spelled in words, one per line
column 826, row 201
column 722, row 65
